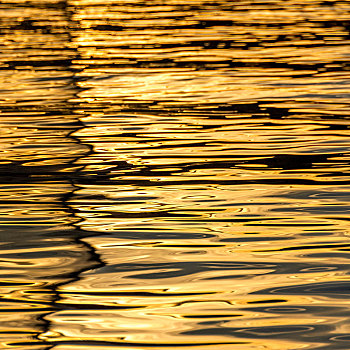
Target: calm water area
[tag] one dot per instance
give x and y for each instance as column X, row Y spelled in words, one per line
column 174, row 174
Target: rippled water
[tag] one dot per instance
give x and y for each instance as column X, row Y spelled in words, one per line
column 174, row 174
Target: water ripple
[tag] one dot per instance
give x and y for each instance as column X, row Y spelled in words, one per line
column 174, row 174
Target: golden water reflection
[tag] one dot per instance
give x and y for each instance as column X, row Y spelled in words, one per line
column 174, row 174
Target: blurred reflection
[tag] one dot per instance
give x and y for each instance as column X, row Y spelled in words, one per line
column 41, row 247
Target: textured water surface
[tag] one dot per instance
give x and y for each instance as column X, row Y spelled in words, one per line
column 174, row 174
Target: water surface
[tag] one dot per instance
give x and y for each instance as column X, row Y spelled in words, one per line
column 174, row 174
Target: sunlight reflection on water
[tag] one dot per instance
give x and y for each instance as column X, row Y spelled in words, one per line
column 174, row 174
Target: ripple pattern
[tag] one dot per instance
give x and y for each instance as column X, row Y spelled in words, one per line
column 174, row 174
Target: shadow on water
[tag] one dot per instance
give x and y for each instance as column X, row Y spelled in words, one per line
column 42, row 247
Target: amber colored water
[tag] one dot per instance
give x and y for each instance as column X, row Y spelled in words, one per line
column 174, row 174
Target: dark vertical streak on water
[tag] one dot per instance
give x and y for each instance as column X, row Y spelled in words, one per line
column 33, row 175
column 76, row 234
